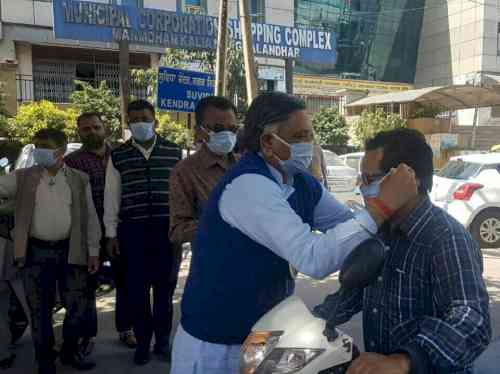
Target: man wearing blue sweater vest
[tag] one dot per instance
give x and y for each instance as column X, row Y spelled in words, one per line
column 259, row 220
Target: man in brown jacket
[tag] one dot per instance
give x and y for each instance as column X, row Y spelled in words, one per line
column 56, row 239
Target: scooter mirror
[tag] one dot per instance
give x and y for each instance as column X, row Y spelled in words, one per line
column 363, row 265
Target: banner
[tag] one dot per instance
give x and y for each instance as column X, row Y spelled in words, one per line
column 91, row 21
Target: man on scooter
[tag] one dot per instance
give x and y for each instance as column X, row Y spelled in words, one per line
column 428, row 311
column 259, row 219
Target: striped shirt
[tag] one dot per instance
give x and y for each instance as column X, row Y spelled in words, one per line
column 430, row 300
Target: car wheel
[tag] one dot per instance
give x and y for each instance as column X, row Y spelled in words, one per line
column 486, row 228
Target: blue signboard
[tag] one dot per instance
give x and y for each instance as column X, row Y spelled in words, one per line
column 83, row 20
column 180, row 90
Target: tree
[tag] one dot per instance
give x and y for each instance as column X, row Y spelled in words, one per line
column 31, row 118
column 330, row 128
column 99, row 99
column 174, row 131
column 204, row 62
column 372, row 122
column 4, row 114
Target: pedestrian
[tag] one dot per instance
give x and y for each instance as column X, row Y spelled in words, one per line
column 193, row 178
column 136, row 217
column 258, row 221
column 56, row 240
column 318, row 166
column 92, row 159
column 429, row 310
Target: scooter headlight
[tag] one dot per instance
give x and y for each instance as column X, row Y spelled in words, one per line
column 259, row 355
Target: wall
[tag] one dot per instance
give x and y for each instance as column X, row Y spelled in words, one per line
column 452, row 42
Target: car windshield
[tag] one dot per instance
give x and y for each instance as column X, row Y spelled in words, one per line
column 332, row 159
column 459, row 169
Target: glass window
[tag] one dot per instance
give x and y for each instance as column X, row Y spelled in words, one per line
column 376, row 39
column 353, row 162
column 332, row 159
column 459, row 169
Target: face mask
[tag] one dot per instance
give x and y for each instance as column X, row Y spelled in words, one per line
column 142, row 131
column 371, row 190
column 93, row 141
column 222, row 142
column 44, row 157
column 301, row 155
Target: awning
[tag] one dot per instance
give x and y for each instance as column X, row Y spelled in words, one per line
column 450, row 97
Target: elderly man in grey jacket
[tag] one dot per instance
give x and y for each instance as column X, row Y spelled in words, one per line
column 56, row 240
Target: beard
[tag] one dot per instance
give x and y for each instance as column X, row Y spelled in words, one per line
column 93, row 142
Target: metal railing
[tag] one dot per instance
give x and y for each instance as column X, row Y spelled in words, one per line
column 59, row 89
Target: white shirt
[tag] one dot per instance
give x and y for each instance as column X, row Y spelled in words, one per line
column 258, row 207
column 113, row 191
column 52, row 213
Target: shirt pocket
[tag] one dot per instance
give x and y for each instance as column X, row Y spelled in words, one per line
column 406, row 285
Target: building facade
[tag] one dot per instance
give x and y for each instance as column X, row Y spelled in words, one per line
column 460, row 45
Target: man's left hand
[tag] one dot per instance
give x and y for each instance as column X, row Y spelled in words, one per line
column 374, row 363
column 93, row 264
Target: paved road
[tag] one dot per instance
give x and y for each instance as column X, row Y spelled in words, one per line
column 112, row 358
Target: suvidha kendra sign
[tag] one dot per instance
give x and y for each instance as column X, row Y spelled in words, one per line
column 90, row 21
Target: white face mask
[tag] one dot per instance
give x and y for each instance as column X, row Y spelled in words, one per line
column 45, row 157
column 142, row 131
column 301, row 155
column 222, row 142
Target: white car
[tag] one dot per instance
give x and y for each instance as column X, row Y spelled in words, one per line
column 353, row 160
column 341, row 178
column 468, row 188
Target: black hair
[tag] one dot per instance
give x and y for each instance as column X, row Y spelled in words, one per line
column 268, row 109
column 58, row 137
column 407, row 146
column 88, row 115
column 140, row 105
column 217, row 102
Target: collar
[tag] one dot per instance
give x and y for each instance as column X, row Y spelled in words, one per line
column 416, row 218
column 209, row 159
column 139, row 146
column 62, row 170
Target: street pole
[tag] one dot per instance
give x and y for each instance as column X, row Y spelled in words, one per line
column 289, row 75
column 246, row 36
column 474, row 128
column 220, row 72
column 124, row 60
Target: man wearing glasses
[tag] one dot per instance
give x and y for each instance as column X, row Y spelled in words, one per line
column 193, row 179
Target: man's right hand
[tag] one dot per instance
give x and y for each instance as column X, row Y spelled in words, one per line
column 398, row 187
column 113, row 247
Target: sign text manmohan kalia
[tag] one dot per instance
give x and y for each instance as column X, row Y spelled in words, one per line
column 81, row 20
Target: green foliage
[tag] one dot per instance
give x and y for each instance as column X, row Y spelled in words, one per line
column 371, row 123
column 429, row 110
column 174, row 131
column 31, row 118
column 99, row 99
column 330, row 128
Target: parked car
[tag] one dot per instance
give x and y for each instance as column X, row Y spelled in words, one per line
column 468, row 187
column 353, row 160
column 341, row 178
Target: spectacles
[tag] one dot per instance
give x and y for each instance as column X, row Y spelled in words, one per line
column 370, row 178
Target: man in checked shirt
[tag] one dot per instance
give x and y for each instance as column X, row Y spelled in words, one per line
column 428, row 312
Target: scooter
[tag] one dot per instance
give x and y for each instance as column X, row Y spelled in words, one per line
column 289, row 339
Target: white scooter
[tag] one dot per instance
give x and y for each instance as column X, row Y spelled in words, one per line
column 289, row 339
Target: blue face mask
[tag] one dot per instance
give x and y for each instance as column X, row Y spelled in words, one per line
column 222, row 142
column 44, row 157
column 142, row 131
column 371, row 190
column 301, row 155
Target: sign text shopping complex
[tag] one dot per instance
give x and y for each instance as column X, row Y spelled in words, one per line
column 90, row 21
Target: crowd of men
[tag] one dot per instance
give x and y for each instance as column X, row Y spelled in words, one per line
column 251, row 207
